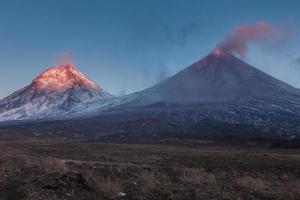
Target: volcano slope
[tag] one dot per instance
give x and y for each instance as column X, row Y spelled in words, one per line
column 56, row 91
column 218, row 95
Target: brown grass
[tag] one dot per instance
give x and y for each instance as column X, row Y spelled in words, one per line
column 146, row 171
column 253, row 184
column 197, row 176
column 109, row 189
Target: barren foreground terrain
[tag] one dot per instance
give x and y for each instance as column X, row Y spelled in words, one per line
column 32, row 168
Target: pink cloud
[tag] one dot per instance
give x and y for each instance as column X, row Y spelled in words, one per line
column 237, row 40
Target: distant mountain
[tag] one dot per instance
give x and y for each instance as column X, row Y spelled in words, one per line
column 56, row 91
column 219, row 77
column 218, row 94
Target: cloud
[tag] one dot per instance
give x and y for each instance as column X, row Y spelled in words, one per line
column 260, row 32
column 181, row 36
column 163, row 73
column 296, row 63
column 65, row 58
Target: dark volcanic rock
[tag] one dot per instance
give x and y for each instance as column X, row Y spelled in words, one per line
column 56, row 181
column 68, row 185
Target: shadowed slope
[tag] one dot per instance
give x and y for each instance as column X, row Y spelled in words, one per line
column 219, row 77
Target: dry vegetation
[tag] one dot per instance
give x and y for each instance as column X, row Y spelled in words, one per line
column 48, row 169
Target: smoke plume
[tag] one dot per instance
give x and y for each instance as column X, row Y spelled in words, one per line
column 65, row 58
column 237, row 40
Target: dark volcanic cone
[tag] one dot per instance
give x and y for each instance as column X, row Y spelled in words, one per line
column 219, row 77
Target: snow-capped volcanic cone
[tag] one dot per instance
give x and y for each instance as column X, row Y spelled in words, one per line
column 219, row 77
column 56, row 91
column 220, row 94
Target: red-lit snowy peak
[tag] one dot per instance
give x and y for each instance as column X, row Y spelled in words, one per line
column 56, row 91
column 62, row 78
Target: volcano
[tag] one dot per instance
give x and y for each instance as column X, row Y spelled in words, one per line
column 219, row 77
column 218, row 94
column 56, row 91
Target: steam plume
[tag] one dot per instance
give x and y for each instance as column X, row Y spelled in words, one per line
column 65, row 58
column 237, row 40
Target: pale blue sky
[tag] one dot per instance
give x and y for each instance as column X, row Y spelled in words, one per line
column 128, row 45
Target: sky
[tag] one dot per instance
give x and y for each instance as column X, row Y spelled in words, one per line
column 129, row 45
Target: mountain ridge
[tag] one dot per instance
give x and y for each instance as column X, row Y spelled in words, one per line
column 219, row 89
column 60, row 88
column 218, row 77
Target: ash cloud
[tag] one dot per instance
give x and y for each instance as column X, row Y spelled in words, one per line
column 181, row 36
column 297, row 62
column 65, row 58
column 163, row 73
column 260, row 32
